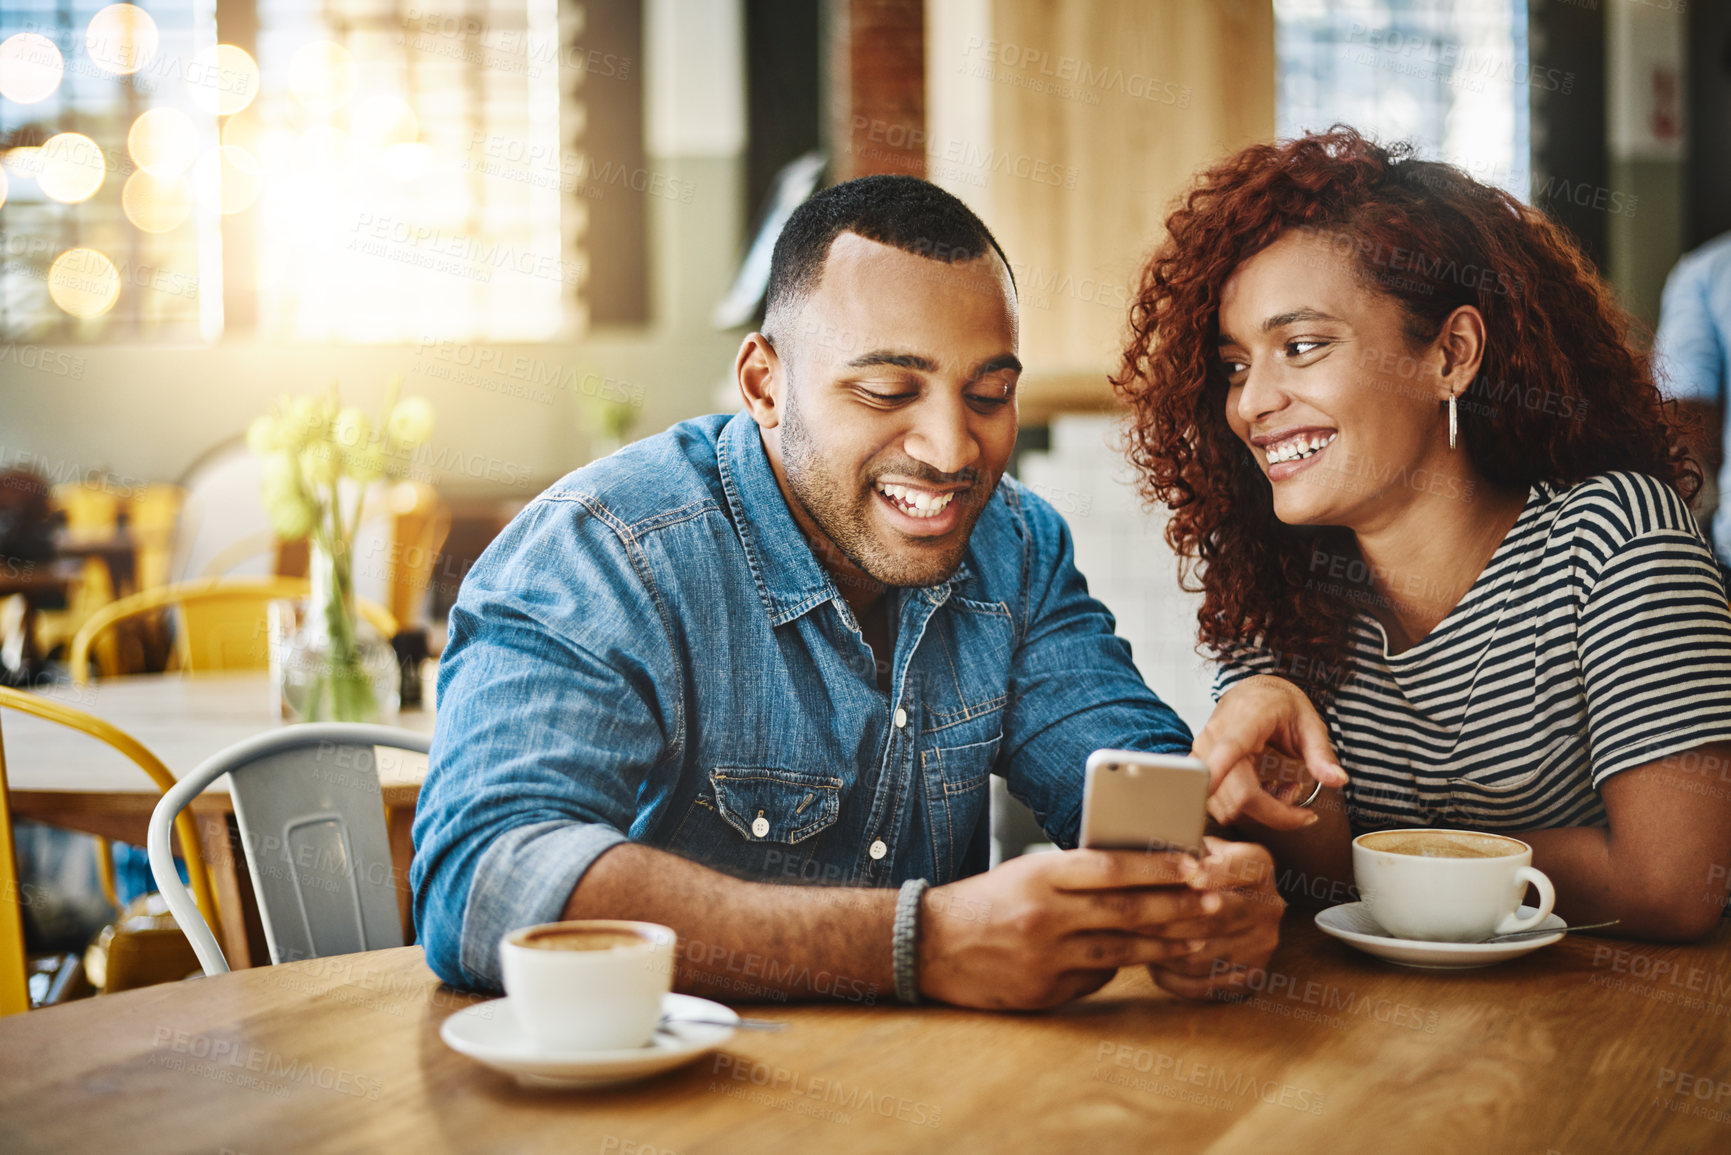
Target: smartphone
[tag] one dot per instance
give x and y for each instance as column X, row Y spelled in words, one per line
column 1137, row 801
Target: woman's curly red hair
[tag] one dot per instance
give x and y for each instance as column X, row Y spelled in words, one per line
column 1561, row 394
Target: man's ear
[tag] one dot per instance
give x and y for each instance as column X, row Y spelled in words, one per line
column 762, row 382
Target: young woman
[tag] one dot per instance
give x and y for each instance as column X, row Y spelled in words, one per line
column 1429, row 489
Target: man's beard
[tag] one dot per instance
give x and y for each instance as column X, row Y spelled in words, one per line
column 845, row 517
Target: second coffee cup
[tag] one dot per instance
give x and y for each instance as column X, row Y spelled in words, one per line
column 1448, row 885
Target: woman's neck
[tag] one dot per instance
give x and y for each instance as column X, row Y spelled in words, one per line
column 1426, row 556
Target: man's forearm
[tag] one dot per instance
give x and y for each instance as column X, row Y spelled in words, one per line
column 746, row 940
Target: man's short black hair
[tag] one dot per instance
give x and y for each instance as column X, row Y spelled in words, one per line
column 903, row 212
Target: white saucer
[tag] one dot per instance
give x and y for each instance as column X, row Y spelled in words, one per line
column 1351, row 923
column 490, row 1033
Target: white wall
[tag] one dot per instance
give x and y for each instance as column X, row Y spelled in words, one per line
column 1120, row 550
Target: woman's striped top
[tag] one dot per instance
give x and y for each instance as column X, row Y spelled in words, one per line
column 1597, row 639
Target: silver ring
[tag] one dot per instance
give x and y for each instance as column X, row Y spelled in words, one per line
column 1313, row 795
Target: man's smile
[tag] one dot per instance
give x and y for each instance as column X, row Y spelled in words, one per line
column 919, row 510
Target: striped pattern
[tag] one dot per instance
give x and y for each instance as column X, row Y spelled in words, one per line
column 1596, row 639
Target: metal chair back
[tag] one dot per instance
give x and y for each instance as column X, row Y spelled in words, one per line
column 312, row 825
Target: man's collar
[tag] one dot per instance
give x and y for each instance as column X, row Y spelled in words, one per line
column 790, row 579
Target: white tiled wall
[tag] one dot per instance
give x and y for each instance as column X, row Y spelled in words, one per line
column 1129, row 566
column 1121, row 552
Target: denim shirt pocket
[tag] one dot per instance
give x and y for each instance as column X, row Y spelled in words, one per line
column 770, row 804
column 957, row 780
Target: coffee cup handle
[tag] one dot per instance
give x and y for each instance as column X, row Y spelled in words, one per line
column 1547, row 899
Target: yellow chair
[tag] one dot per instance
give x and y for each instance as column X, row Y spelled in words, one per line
column 420, row 522
column 14, row 992
column 90, row 512
column 223, row 620
column 152, row 517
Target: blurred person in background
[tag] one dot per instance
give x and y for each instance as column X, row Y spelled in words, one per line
column 1692, row 362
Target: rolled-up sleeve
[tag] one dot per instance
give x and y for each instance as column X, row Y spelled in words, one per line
column 557, row 697
column 1073, row 688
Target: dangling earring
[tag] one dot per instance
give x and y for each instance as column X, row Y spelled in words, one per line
column 1454, row 427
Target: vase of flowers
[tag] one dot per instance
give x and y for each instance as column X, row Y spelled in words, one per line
column 319, row 457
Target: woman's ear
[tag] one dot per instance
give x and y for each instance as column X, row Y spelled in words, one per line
column 1462, row 344
column 758, row 373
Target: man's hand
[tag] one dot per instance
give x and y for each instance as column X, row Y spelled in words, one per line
column 1043, row 929
column 1239, row 937
column 1258, row 717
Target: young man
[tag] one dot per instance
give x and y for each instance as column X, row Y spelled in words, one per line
column 794, row 644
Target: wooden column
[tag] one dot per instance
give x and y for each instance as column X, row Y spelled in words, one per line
column 877, row 87
column 1070, row 128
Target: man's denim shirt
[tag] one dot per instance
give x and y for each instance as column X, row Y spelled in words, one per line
column 651, row 651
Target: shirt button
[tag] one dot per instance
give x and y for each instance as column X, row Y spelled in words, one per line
column 878, row 849
column 901, row 717
column 760, row 826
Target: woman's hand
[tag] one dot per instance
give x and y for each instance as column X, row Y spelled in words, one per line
column 1228, row 948
column 1255, row 727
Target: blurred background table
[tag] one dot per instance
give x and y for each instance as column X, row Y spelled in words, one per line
column 63, row 778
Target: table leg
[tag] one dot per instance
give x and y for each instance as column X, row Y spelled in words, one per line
column 242, row 930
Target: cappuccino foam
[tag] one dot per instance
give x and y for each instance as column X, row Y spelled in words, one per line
column 1442, row 844
column 583, row 939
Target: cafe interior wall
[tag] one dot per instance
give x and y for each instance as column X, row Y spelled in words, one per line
column 1646, row 133
column 145, row 412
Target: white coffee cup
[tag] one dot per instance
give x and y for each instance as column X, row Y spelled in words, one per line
column 588, row 985
column 1448, row 885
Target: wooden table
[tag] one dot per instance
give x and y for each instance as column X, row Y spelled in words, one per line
column 117, row 549
column 68, row 779
column 1592, row 1045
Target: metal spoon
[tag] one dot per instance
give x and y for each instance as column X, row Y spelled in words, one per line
column 1537, row 931
column 668, row 1022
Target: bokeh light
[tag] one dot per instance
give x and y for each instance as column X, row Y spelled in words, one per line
column 30, row 67
column 232, row 177
column 163, row 140
column 275, row 148
column 83, row 282
column 242, row 179
column 323, row 147
column 25, row 161
column 5, row 186
column 156, row 202
column 322, row 76
column 378, row 122
column 243, row 129
column 72, row 167
column 122, row 38
column 222, row 79
column 408, row 161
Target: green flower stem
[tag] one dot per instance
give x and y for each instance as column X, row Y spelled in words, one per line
column 350, row 690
